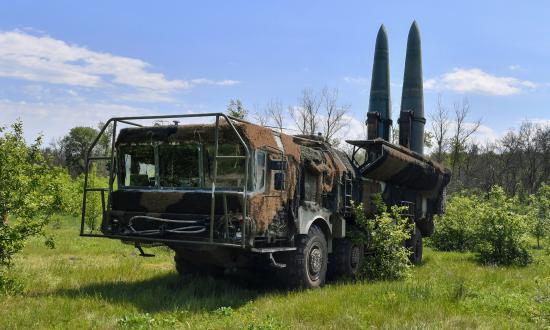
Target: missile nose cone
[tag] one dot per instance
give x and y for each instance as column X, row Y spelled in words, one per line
column 382, row 39
column 413, row 41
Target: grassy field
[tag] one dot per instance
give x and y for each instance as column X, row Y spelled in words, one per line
column 99, row 283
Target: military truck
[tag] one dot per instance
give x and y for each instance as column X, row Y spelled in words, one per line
column 224, row 193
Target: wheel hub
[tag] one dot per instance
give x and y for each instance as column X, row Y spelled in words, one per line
column 315, row 261
column 355, row 256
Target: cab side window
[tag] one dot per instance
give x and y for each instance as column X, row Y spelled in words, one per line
column 260, row 169
column 311, row 186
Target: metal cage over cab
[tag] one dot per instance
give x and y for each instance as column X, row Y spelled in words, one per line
column 214, row 193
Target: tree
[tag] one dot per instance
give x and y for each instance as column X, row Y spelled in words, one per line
column 320, row 113
column 461, row 135
column 394, row 138
column 305, row 115
column 26, row 191
column 260, row 115
column 54, row 153
column 106, row 138
column 440, row 128
column 540, row 213
column 236, row 109
column 275, row 112
column 75, row 148
column 333, row 114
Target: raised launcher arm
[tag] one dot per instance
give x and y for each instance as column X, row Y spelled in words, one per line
column 403, row 168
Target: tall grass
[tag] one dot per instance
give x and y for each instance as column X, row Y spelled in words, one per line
column 99, row 283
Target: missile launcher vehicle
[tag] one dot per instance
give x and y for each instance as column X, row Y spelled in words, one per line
column 225, row 193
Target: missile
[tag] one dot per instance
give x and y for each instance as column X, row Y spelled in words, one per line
column 379, row 115
column 411, row 117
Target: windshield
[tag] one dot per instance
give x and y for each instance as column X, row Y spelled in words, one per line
column 138, row 166
column 181, row 166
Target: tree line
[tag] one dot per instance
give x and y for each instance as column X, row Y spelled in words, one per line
column 519, row 161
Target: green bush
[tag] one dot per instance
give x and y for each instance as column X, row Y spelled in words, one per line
column 94, row 208
column 540, row 214
column 384, row 236
column 495, row 228
column 27, row 191
column 502, row 233
column 455, row 231
column 68, row 195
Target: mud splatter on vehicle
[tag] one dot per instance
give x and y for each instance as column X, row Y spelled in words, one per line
column 231, row 194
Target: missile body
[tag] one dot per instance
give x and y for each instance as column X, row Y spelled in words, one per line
column 411, row 117
column 379, row 115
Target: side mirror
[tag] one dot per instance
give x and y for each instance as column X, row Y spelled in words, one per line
column 279, row 181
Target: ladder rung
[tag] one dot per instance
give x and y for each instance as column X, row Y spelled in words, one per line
column 231, row 157
column 97, row 189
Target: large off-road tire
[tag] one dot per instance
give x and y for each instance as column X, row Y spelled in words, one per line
column 426, row 225
column 346, row 259
column 307, row 266
column 414, row 244
column 186, row 268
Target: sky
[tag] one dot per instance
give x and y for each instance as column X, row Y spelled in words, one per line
column 75, row 63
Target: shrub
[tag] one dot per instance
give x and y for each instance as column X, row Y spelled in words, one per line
column 94, row 208
column 67, row 196
column 502, row 232
column 455, row 231
column 384, row 236
column 495, row 228
column 539, row 213
column 27, row 191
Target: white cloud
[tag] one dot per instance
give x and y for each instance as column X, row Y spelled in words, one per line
column 45, row 59
column 55, row 119
column 354, row 130
column 484, row 134
column 477, row 81
column 203, row 81
column 357, row 80
column 539, row 121
column 515, row 67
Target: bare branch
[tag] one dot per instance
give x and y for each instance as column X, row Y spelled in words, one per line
column 333, row 113
column 274, row 110
column 440, row 128
column 305, row 115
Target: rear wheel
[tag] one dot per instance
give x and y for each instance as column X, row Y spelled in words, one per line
column 346, row 259
column 307, row 266
column 414, row 244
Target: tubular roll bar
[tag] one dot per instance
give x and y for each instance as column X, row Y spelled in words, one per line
column 112, row 175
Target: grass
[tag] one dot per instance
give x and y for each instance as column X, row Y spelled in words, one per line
column 99, row 283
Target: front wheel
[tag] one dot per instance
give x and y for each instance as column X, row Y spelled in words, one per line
column 187, row 268
column 307, row 266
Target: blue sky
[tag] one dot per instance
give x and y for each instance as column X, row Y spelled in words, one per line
column 67, row 63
